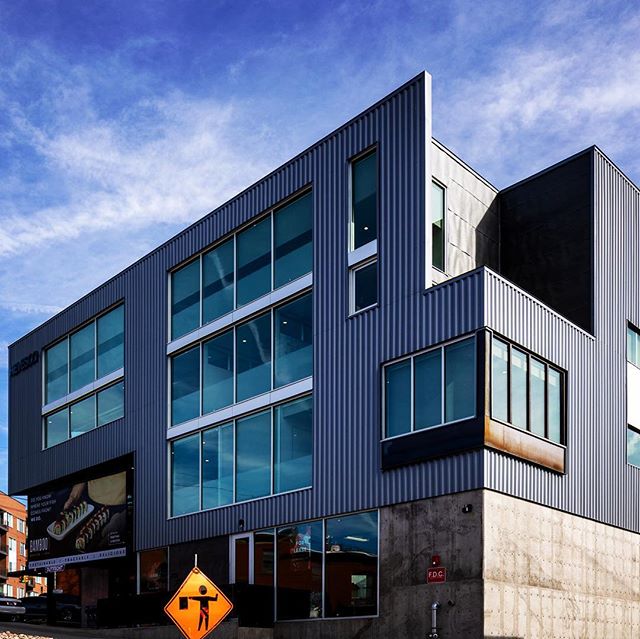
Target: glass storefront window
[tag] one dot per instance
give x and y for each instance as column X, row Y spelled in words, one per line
column 153, row 571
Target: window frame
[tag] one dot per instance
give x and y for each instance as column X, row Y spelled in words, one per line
column 445, row 236
column 352, row 285
column 548, row 365
column 272, row 465
column 270, row 212
column 412, row 356
column 352, row 160
column 629, row 327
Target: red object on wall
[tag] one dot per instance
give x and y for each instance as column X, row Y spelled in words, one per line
column 436, row 575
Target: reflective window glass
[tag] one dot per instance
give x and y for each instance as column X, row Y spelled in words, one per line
column 217, row 281
column 57, row 427
column 153, row 570
column 428, row 389
column 633, row 447
column 111, row 404
column 518, row 388
column 263, row 558
column 217, row 372
column 537, row 379
column 364, row 189
column 460, row 380
column 366, row 286
column 56, row 371
column 554, row 389
column 499, row 380
column 253, row 456
column 185, row 386
column 253, row 357
column 292, row 242
column 185, row 299
column 217, row 466
column 293, row 341
column 253, row 247
column 82, row 353
column 633, row 346
column 293, row 444
column 437, row 226
column 83, row 416
column 299, row 571
column 111, row 341
column 397, row 400
column 351, row 565
column 185, row 475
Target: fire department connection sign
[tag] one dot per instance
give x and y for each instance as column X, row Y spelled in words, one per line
column 198, row 606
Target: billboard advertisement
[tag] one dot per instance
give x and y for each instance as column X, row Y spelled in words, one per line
column 86, row 521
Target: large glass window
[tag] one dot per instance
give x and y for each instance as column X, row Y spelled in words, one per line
column 185, row 386
column 241, row 358
column 185, row 475
column 253, row 357
column 451, row 387
column 437, row 225
column 72, row 363
column 525, row 391
column 239, row 454
column 57, row 427
column 364, row 286
column 217, row 282
column 364, row 203
column 154, row 570
column 351, row 565
column 293, row 341
column 185, row 299
column 263, row 558
column 293, row 240
column 110, row 341
column 293, row 444
column 217, row 372
column 254, row 262
column 217, row 466
column 253, row 456
column 299, row 571
column 83, row 416
column 111, row 404
column 57, row 364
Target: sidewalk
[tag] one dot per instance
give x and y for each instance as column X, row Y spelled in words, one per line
column 11, row 630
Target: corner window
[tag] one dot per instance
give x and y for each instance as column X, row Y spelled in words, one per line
column 526, row 392
column 267, row 352
column 265, row 453
column 437, row 226
column 633, row 396
column 431, row 389
column 264, row 256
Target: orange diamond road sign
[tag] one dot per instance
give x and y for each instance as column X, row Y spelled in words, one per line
column 198, row 606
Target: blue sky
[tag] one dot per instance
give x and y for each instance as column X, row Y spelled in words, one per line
column 122, row 122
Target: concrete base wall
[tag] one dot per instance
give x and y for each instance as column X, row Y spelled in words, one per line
column 551, row 574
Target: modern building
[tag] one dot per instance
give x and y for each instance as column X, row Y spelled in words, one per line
column 13, row 551
column 368, row 383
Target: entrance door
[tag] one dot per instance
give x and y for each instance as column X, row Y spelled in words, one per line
column 241, row 559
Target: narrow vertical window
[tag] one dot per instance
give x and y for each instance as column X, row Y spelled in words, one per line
column 499, row 380
column 253, row 247
column 217, row 466
column 293, row 440
column 437, row 226
column 185, row 299
column 57, row 359
column 460, row 384
column 253, row 456
column 518, row 388
column 217, row 372
column 185, row 386
column 110, row 341
column 185, row 475
column 253, row 357
column 293, row 341
column 364, row 204
column 82, row 357
column 293, row 240
column 428, row 389
column 397, row 400
column 217, row 282
column 633, row 396
column 364, row 286
column 263, row 558
column 537, row 384
column 554, row 406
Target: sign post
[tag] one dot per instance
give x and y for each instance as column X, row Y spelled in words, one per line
column 198, row 605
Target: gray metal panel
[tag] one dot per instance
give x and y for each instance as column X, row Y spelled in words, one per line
column 348, row 351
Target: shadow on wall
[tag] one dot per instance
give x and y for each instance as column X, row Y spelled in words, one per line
column 487, row 240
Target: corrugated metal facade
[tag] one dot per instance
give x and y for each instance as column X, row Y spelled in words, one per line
column 348, row 352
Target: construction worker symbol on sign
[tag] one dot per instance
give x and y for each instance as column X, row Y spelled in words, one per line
column 204, row 606
column 198, row 606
